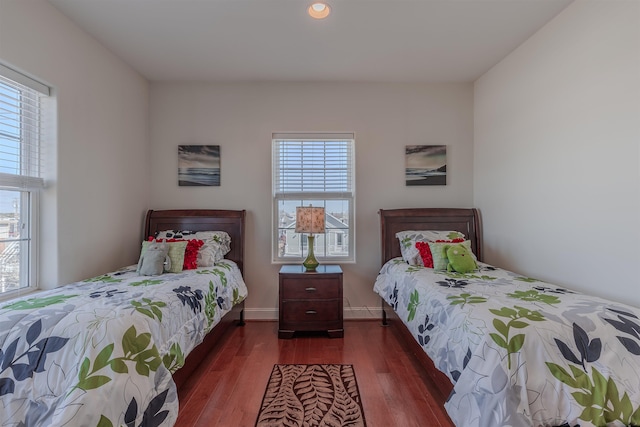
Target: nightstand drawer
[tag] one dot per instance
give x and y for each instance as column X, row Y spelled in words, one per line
column 310, row 289
column 311, row 311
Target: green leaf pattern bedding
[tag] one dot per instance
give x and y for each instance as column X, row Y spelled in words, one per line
column 521, row 352
column 101, row 352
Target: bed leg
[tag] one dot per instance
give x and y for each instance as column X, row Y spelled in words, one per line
column 384, row 314
column 241, row 320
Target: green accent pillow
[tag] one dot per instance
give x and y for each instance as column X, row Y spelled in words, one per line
column 460, row 259
column 176, row 253
column 439, row 253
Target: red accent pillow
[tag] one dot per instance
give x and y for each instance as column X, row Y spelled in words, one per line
column 190, row 252
column 456, row 240
column 425, row 254
column 425, row 250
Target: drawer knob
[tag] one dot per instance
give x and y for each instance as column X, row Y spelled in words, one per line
column 310, row 289
column 311, row 312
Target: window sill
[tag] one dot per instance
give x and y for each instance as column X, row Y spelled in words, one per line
column 18, row 294
column 321, row 261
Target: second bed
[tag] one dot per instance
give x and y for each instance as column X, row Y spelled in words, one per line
column 511, row 350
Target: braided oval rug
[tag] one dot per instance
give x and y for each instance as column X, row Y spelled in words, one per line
column 311, row 395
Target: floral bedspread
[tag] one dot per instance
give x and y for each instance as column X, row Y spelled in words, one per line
column 521, row 352
column 101, row 352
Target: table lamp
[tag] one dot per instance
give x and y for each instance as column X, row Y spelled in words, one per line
column 310, row 220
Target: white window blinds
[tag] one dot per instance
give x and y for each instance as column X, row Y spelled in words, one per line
column 20, row 118
column 313, row 165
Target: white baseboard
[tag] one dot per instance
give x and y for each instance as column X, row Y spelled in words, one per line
column 260, row 314
column 362, row 313
column 349, row 313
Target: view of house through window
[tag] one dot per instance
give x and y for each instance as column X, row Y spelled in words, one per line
column 14, row 247
column 313, row 170
column 20, row 179
column 333, row 243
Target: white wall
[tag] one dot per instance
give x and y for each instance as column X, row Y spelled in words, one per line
column 97, row 142
column 556, row 152
column 241, row 118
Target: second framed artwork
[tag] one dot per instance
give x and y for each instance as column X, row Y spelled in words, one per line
column 198, row 165
column 425, row 165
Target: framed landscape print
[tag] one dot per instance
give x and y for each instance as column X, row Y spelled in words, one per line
column 199, row 165
column 426, row 165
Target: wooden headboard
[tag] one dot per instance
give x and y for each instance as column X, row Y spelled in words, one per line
column 202, row 220
column 466, row 221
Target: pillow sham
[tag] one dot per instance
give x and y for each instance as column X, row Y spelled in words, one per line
column 408, row 240
column 216, row 244
column 439, row 253
column 176, row 254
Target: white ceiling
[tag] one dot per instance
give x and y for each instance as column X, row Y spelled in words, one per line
column 275, row 40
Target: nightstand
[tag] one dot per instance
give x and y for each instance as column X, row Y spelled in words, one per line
column 310, row 301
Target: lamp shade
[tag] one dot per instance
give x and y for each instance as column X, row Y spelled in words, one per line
column 309, row 220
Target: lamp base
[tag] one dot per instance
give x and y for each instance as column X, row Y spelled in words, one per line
column 311, row 263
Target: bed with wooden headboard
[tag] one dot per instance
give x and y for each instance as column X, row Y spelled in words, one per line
column 466, row 221
column 117, row 348
column 392, row 221
column 230, row 221
column 501, row 348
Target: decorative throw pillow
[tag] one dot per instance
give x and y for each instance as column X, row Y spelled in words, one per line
column 460, row 259
column 154, row 260
column 190, row 253
column 425, row 251
column 425, row 254
column 409, row 238
column 216, row 244
column 439, row 253
column 176, row 254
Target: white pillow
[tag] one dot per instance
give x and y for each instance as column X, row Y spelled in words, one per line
column 216, row 244
column 409, row 238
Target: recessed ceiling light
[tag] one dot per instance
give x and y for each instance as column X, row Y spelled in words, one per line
column 319, row 10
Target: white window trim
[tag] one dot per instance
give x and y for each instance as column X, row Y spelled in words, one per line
column 308, row 197
column 30, row 184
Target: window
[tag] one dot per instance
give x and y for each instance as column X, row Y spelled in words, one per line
column 317, row 170
column 20, row 178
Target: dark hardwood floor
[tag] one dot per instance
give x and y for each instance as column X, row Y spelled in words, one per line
column 228, row 386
